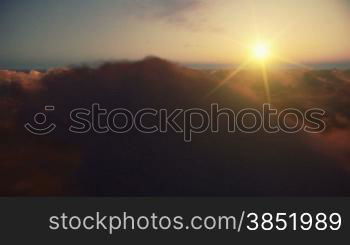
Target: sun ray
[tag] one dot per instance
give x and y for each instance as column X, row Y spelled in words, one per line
column 266, row 82
column 230, row 76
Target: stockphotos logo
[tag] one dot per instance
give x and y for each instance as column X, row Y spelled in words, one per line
column 189, row 122
column 40, row 124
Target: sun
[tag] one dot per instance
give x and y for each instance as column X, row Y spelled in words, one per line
column 261, row 51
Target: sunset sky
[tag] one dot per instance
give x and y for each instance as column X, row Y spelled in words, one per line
column 44, row 33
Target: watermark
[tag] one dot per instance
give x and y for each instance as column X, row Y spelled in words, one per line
column 187, row 122
column 239, row 222
column 40, row 125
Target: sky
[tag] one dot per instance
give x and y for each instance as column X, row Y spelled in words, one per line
column 46, row 33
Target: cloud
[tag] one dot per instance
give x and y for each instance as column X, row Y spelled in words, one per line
column 162, row 164
column 166, row 9
column 27, row 80
column 175, row 12
column 334, row 143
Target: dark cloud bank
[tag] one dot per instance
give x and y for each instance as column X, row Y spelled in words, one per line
column 138, row 164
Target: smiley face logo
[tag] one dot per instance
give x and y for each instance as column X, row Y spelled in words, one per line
column 40, row 121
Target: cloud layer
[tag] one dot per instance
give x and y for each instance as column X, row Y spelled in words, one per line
column 162, row 164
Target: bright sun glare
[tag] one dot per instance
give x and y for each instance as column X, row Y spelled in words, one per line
column 261, row 51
